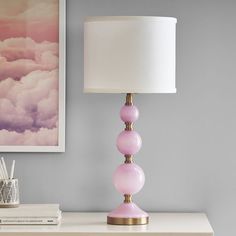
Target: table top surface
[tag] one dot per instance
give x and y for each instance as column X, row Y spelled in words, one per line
column 191, row 223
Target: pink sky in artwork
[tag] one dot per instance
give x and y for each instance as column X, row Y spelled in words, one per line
column 29, row 72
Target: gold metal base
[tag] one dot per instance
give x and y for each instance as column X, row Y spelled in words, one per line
column 127, row 221
column 9, row 205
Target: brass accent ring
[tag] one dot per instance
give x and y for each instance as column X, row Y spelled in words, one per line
column 128, row 198
column 128, row 126
column 128, row 159
column 127, row 221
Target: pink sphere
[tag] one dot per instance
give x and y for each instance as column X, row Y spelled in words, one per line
column 128, row 178
column 129, row 113
column 129, row 142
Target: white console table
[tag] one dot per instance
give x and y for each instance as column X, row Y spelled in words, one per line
column 91, row 224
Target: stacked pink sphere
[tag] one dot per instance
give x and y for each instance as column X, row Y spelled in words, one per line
column 129, row 178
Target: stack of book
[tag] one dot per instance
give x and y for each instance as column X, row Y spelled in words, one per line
column 31, row 214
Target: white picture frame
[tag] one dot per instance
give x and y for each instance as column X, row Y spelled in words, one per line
column 62, row 90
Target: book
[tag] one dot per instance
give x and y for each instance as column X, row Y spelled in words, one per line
column 30, row 221
column 31, row 214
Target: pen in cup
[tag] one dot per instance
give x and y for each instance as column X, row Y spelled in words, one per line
column 3, row 170
column 12, row 169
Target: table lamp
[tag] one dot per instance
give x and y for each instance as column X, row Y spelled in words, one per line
column 130, row 55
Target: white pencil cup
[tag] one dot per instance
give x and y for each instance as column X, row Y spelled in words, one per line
column 9, row 193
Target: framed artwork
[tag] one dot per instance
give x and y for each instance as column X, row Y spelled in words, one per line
column 32, row 75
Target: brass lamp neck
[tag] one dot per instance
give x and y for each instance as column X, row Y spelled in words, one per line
column 129, row 99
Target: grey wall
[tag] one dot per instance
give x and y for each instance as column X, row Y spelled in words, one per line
column 189, row 151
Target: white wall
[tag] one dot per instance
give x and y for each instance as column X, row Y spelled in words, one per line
column 189, row 138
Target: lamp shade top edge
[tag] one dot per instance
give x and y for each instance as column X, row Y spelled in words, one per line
column 129, row 18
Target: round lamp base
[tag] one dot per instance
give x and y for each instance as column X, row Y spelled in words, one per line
column 128, row 214
column 127, row 221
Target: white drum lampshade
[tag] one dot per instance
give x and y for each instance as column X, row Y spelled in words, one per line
column 133, row 54
column 129, row 54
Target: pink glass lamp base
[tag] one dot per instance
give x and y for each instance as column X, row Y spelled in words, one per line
column 128, row 178
column 127, row 214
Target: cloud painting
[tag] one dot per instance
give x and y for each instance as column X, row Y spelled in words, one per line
column 29, row 81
